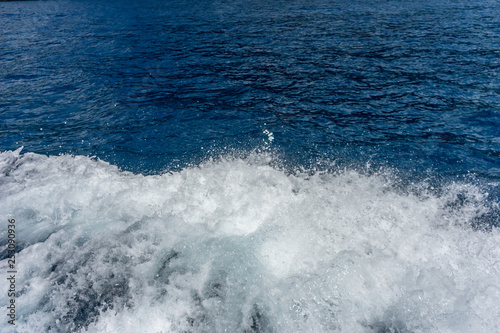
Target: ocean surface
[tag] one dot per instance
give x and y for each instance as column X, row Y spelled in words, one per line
column 251, row 166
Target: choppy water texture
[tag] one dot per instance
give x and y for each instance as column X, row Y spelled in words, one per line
column 239, row 246
column 251, row 166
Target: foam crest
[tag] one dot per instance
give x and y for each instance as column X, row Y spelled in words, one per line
column 237, row 245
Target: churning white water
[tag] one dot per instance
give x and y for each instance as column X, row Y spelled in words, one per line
column 236, row 245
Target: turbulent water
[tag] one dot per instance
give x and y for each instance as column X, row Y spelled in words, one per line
column 239, row 246
column 250, row 166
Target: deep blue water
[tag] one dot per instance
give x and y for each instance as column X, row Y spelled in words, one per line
column 406, row 89
column 152, row 85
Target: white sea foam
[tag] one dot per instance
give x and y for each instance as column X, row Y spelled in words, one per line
column 236, row 245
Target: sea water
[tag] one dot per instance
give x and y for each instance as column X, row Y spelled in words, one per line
column 251, row 166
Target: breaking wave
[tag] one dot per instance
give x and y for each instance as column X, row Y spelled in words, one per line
column 240, row 245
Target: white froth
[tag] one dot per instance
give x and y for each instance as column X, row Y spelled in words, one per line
column 238, row 246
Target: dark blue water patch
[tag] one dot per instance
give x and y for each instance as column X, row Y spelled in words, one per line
column 156, row 85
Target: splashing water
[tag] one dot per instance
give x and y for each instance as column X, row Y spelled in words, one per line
column 239, row 246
